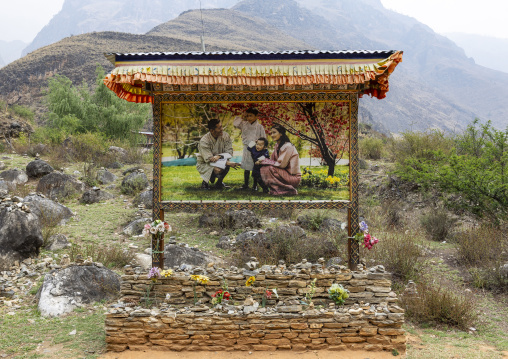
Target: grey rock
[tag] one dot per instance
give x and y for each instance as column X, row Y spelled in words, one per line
column 243, row 238
column 20, row 236
column 95, row 195
column 2, row 165
column 59, row 185
column 65, row 289
column 335, row 261
column 175, row 256
column 48, row 210
column 143, row 260
column 145, row 198
column 7, row 186
column 136, row 227
column 224, row 243
column 330, row 225
column 115, row 165
column 134, row 182
column 15, row 176
column 119, row 152
column 237, row 219
column 38, row 168
column 288, row 231
column 57, row 242
column 131, row 170
column 105, row 177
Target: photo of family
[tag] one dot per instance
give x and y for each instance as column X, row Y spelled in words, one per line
column 267, row 151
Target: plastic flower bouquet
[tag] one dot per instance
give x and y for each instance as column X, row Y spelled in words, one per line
column 338, row 293
column 157, row 227
column 363, row 237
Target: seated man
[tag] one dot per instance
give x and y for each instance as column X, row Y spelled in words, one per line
column 212, row 148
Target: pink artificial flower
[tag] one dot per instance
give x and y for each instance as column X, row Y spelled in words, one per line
column 147, row 226
column 167, row 227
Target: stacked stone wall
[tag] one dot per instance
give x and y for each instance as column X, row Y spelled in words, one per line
column 369, row 320
column 345, row 328
column 372, row 286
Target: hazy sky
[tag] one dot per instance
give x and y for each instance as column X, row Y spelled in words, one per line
column 484, row 17
column 23, row 19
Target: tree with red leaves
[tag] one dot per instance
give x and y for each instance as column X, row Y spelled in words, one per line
column 324, row 125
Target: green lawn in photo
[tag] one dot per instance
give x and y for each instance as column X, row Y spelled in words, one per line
column 183, row 183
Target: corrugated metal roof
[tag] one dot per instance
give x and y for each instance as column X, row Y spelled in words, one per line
column 250, row 55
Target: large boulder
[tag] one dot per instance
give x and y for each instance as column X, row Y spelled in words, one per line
column 145, row 198
column 20, row 234
column 136, row 227
column 59, row 185
column 95, row 195
column 330, row 225
column 14, row 176
column 48, row 210
column 65, row 289
column 118, row 152
column 175, row 256
column 57, row 242
column 134, row 182
column 105, row 177
column 38, row 168
column 7, row 186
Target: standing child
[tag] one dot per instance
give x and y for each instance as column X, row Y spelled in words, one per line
column 259, row 152
column 251, row 131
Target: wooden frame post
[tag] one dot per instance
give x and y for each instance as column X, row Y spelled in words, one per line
column 157, row 211
column 354, row 167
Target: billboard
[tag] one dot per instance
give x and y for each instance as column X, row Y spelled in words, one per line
column 255, row 151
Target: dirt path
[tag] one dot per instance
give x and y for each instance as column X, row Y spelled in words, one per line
column 319, row 354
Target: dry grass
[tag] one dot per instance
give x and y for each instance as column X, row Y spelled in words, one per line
column 436, row 303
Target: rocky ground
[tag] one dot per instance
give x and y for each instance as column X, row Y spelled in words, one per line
column 80, row 333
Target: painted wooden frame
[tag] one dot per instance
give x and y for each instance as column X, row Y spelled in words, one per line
column 164, row 95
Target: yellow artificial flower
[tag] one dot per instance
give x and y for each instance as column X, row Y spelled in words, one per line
column 166, row 273
column 203, row 279
column 250, row 281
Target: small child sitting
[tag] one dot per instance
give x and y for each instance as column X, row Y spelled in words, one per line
column 259, row 152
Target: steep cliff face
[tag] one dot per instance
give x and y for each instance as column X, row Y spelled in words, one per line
column 240, row 32
column 133, row 16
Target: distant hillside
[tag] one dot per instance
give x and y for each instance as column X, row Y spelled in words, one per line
column 487, row 51
column 432, row 64
column 133, row 16
column 436, row 86
column 239, row 32
column 75, row 57
column 11, row 50
column 305, row 25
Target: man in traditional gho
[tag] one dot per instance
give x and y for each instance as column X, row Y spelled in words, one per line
column 211, row 146
column 252, row 130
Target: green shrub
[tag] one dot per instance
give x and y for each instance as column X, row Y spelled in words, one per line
column 371, row 148
column 437, row 224
column 484, row 250
column 401, row 254
column 419, row 145
column 23, row 112
column 436, row 303
column 475, row 171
